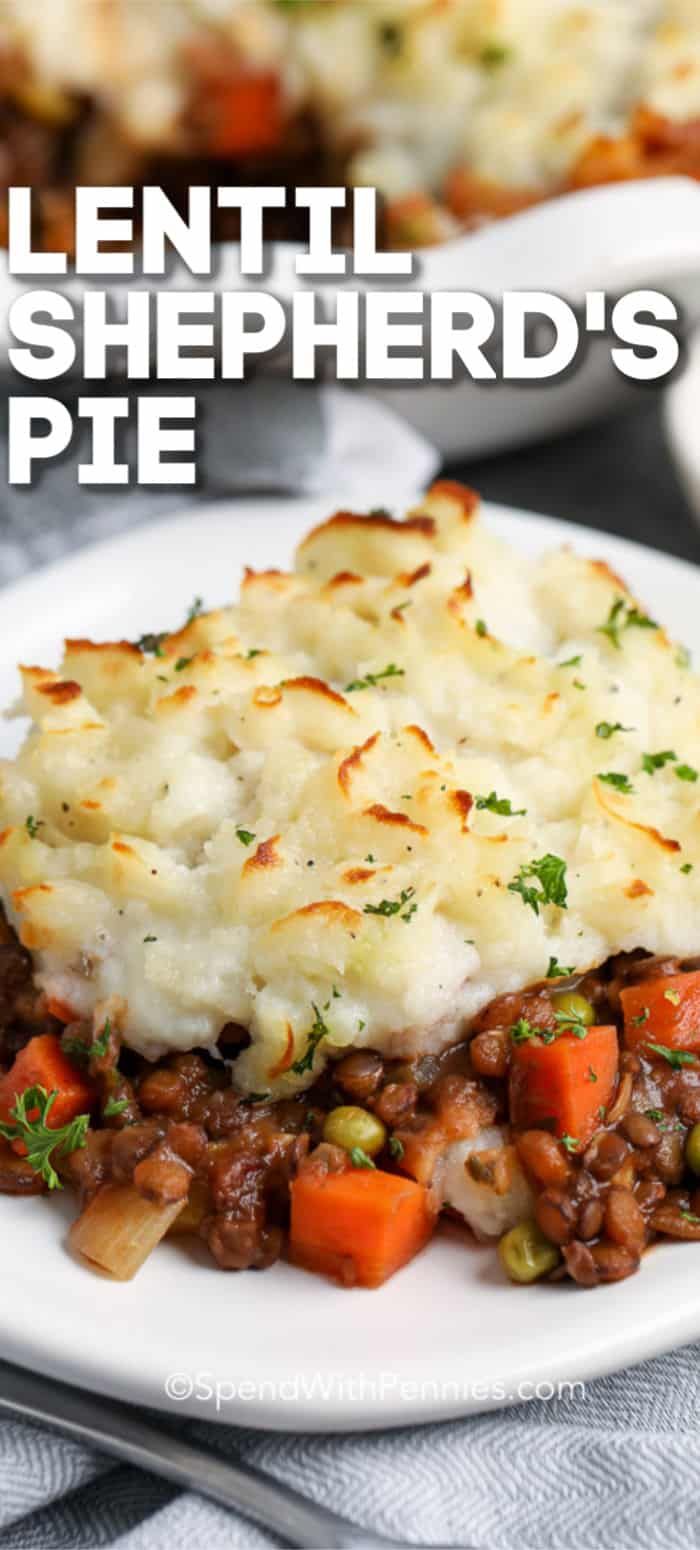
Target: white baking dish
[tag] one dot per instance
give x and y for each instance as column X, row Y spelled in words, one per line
column 616, row 238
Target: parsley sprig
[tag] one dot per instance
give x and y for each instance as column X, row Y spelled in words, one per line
column 651, row 762
column 28, row 1124
column 82, row 1052
column 556, row 970
column 319, row 1030
column 550, row 873
column 568, row 1022
column 624, row 616
column 388, row 907
column 607, row 729
column 370, row 680
column 501, row 805
column 675, row 1057
column 522, row 1031
column 617, row 780
column 150, row 644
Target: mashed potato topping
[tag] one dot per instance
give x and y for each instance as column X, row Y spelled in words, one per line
column 416, row 772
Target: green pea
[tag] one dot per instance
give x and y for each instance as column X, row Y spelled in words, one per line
column 692, row 1149
column 526, row 1254
column 574, row 1006
column 350, row 1126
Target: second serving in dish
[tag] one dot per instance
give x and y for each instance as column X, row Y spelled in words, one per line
column 459, row 111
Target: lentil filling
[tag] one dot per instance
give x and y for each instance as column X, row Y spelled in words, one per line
column 224, row 1164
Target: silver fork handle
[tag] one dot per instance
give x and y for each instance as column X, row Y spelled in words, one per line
column 121, row 1431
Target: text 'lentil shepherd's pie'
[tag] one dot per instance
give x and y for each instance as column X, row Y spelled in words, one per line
column 458, row 111
column 371, row 897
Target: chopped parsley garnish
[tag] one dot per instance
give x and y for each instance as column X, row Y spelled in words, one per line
column 150, row 939
column 591, row 1075
column 607, row 729
column 651, row 762
column 620, row 782
column 624, row 616
column 481, row 627
column 33, row 825
column 688, row 1216
column 359, row 1158
column 556, row 970
column 82, row 1052
column 687, row 867
column 28, row 1124
column 152, row 645
column 388, row 907
column 115, row 1106
column 569, row 1142
column 655, row 1114
column 255, row 651
column 641, row 1017
column 571, row 662
column 396, row 1147
column 675, row 1057
column 523, row 1030
column 371, row 679
column 567, row 1022
column 501, row 805
column 494, row 55
column 391, row 38
column 182, row 663
column 550, row 873
column 245, row 836
column 195, row 609
column 319, row 1030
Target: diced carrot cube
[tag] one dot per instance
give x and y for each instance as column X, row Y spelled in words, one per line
column 564, row 1084
column 663, row 1011
column 359, row 1226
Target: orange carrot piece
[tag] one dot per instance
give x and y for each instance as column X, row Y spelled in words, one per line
column 42, row 1063
column 60, row 1010
column 358, row 1227
column 663, row 1011
column 564, row 1083
column 246, row 115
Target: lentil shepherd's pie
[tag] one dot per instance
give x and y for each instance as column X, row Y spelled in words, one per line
column 459, row 111
column 370, row 898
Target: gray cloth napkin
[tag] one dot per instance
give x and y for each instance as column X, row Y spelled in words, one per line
column 616, row 1470
column 267, row 435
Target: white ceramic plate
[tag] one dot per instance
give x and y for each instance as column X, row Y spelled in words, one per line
column 623, row 237
column 447, row 1335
